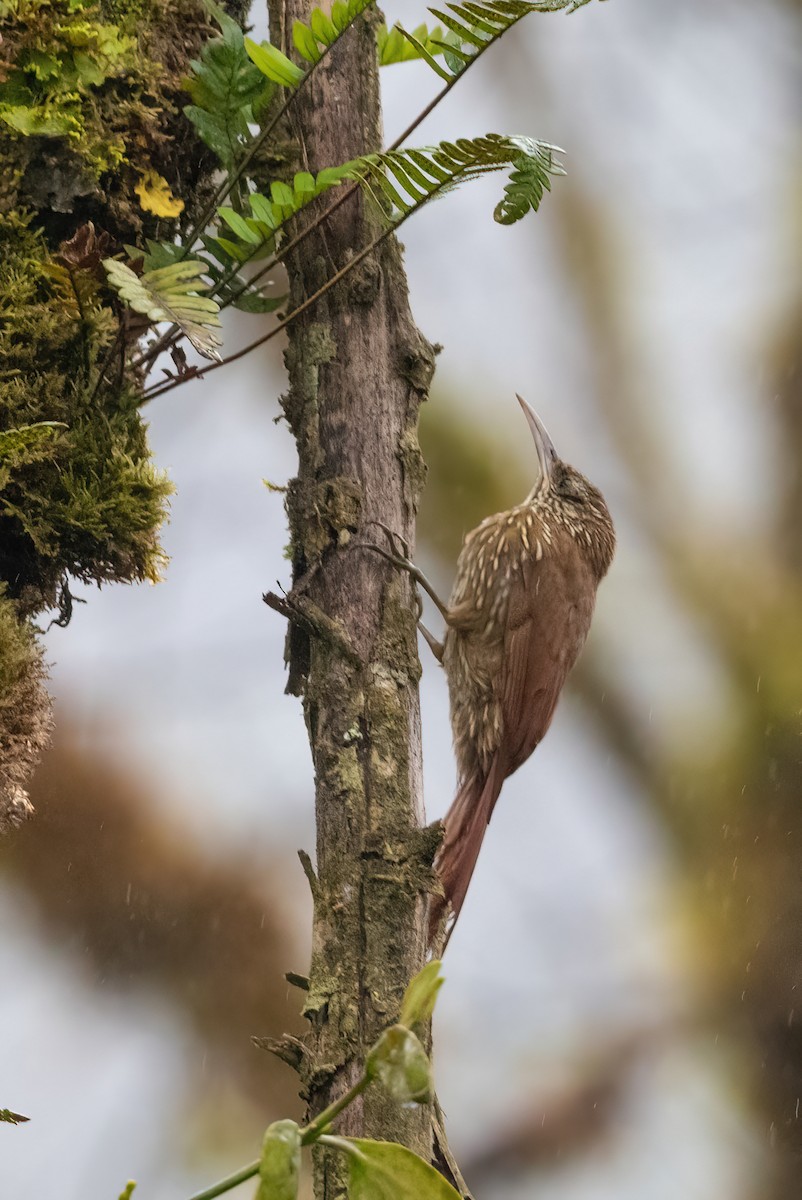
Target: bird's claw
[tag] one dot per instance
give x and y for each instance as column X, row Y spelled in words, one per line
column 398, row 554
column 399, row 546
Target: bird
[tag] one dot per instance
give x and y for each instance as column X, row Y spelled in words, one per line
column 517, row 618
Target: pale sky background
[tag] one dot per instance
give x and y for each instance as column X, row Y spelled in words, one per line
column 681, row 118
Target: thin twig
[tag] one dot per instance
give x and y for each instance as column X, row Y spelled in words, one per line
column 305, row 612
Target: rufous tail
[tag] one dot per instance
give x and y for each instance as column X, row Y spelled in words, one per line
column 465, row 825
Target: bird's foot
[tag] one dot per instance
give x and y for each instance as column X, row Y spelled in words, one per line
column 398, row 555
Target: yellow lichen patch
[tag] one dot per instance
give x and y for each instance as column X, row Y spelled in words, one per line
column 155, row 196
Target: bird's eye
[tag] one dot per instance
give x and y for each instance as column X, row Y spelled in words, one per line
column 573, row 491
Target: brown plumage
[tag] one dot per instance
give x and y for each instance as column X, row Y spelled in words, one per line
column 517, row 618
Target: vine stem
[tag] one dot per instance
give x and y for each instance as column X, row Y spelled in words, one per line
column 230, row 1181
column 315, row 1128
column 310, row 1134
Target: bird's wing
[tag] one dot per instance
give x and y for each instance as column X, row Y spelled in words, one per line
column 547, row 623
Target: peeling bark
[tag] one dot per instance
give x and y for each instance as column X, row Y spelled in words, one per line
column 358, row 371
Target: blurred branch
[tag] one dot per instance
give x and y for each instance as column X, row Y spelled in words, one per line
column 569, row 1122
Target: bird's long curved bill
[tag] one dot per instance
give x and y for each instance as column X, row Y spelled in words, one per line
column 546, row 454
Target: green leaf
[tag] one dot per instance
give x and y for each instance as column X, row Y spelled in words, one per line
column 386, row 1171
column 397, row 45
column 282, row 195
column 228, row 91
column 256, row 235
column 171, row 294
column 421, row 995
column 470, row 28
column 43, row 65
column 400, row 1063
column 280, row 1162
column 128, row 1190
column 252, row 301
column 273, row 64
column 303, row 184
column 39, row 121
column 322, row 27
column 323, row 30
column 304, row 42
column 240, row 226
column 90, row 72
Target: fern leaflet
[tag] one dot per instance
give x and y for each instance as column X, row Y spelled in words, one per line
column 396, row 46
column 171, row 293
column 311, row 41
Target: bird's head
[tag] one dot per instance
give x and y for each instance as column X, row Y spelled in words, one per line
column 571, row 498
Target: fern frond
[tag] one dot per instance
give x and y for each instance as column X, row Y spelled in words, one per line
column 171, row 293
column 228, row 91
column 255, row 235
column 471, row 27
column 77, row 290
column 400, row 181
column 311, row 41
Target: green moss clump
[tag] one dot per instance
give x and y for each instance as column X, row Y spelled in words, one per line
column 91, row 99
column 87, row 502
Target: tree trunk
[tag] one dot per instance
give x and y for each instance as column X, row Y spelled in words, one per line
column 358, row 371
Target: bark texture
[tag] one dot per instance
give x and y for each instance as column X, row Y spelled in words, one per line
column 358, row 371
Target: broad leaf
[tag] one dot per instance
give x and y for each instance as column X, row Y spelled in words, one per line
column 171, row 293
column 273, row 64
column 386, row 1171
column 421, row 994
column 396, row 46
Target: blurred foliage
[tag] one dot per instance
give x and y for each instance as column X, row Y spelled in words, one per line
column 141, row 903
column 89, row 503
